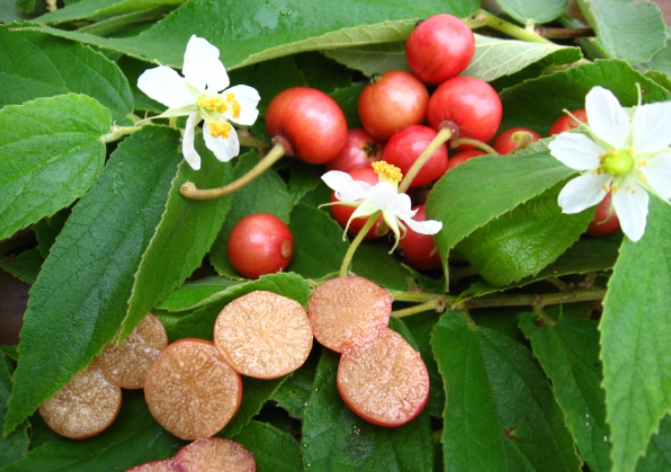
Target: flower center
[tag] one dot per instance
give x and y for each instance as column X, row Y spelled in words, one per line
column 220, row 129
column 220, row 104
column 618, row 163
column 387, row 173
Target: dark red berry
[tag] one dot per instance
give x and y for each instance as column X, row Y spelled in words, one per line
column 605, row 220
column 360, row 150
column 419, row 250
column 506, row 143
column 566, row 123
column 404, row 147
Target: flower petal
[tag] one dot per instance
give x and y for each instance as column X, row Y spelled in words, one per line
column 607, row 118
column 188, row 149
column 346, row 188
column 248, row 98
column 583, row 192
column 631, row 207
column 202, row 67
column 658, row 174
column 652, row 127
column 423, row 227
column 576, row 151
column 384, row 196
column 224, row 149
column 166, row 86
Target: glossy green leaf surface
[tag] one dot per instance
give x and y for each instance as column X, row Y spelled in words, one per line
column 532, row 10
column 34, row 65
column 273, row 450
column 98, row 8
column 50, row 154
column 85, row 284
column 14, row 446
column 26, row 266
column 335, row 439
column 500, row 414
column 634, row 339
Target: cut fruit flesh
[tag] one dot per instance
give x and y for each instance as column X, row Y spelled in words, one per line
column 384, row 380
column 191, row 390
column 215, row 455
column 168, row 465
column 263, row 334
column 127, row 364
column 347, row 311
column 85, row 406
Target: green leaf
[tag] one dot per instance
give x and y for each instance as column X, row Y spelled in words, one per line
column 373, row 261
column 311, row 260
column 500, row 412
column 255, row 394
column 634, row 339
column 627, row 29
column 303, row 179
column 98, row 8
column 657, row 457
column 525, row 11
column 294, row 393
column 133, row 438
column 266, row 194
column 200, row 322
column 133, row 68
column 586, row 255
column 567, row 90
column 569, row 353
column 80, row 298
column 15, row 445
column 122, row 24
column 25, row 266
column 50, row 154
column 195, row 294
column 46, row 231
column 37, row 65
column 372, row 58
column 322, row 73
column 274, row 76
column 525, row 240
column 274, row 450
column 348, row 100
column 335, row 439
column 248, row 35
column 489, row 187
column 186, row 232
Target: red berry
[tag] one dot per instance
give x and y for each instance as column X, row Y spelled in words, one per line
column 463, row 156
column 471, row 104
column 566, row 123
column 419, row 250
column 308, row 123
column 392, row 101
column 260, row 244
column 342, row 213
column 360, row 150
column 439, row 48
column 605, row 220
column 404, row 147
column 505, row 142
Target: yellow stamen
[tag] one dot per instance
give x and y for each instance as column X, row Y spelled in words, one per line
column 220, row 130
column 387, row 172
column 212, row 103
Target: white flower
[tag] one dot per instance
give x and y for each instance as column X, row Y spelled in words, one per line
column 202, row 94
column 369, row 199
column 627, row 157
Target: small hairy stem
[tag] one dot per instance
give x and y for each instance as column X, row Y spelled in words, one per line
column 437, row 305
column 117, row 132
column 564, row 33
column 570, row 296
column 344, row 268
column 248, row 140
column 443, row 136
column 483, row 18
column 559, row 283
column 189, row 189
column 473, row 142
column 461, row 272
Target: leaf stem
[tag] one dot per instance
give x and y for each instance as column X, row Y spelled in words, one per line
column 189, row 189
column 248, row 140
column 564, row 33
column 117, row 132
column 484, row 18
column 344, row 268
column 473, row 142
column 444, row 135
column 437, row 305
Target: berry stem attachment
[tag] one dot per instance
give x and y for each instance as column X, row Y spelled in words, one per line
column 355, row 244
column 189, row 189
column 443, row 136
column 484, row 18
column 473, row 142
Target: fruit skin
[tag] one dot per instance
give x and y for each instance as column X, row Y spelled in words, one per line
column 463, row 156
column 472, row 104
column 504, row 143
column 602, row 224
column 311, row 122
column 260, row 244
column 360, row 150
column 419, row 250
column 342, row 213
column 404, row 147
column 439, row 48
column 566, row 123
column 392, row 101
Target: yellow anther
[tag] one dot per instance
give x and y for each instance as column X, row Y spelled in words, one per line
column 230, row 98
column 387, row 172
column 615, row 188
column 642, row 163
column 236, row 110
column 220, row 129
column 212, row 103
column 606, row 188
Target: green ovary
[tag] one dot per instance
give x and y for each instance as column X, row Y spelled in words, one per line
column 617, row 163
